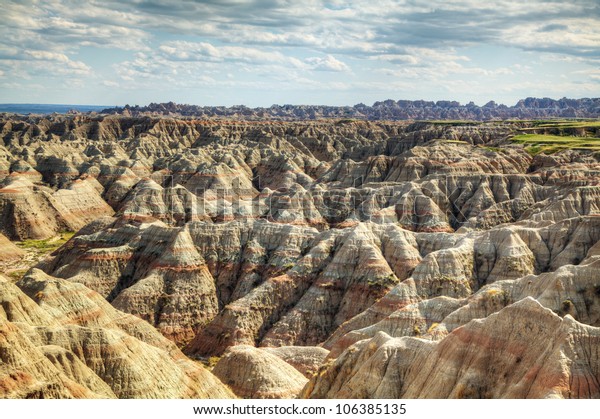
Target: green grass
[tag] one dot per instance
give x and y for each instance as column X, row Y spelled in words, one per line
column 537, row 143
column 453, row 123
column 346, row 121
column 494, row 149
column 18, row 274
column 455, row 141
column 586, row 124
column 46, row 245
column 568, row 124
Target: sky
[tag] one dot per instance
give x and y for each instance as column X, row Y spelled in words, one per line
column 264, row 52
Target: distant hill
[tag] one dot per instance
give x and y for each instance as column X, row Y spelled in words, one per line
column 530, row 108
column 43, row 108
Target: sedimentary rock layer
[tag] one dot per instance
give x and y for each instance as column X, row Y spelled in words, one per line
column 256, row 374
column 523, row 351
column 355, row 254
column 62, row 340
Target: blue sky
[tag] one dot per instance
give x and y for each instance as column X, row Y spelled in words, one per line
column 261, row 52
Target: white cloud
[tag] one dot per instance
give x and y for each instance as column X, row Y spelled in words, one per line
column 406, row 59
column 328, row 63
column 206, row 52
column 110, row 83
column 571, row 36
column 251, row 43
column 30, row 62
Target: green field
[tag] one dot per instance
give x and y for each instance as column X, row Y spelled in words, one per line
column 453, row 123
column 46, row 245
column 560, row 124
column 35, row 251
column 568, row 124
column 548, row 144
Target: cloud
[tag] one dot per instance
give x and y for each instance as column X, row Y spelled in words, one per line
column 358, row 28
column 110, row 83
column 592, row 74
column 578, row 37
column 553, row 27
column 67, row 25
column 203, row 51
column 328, row 63
column 65, row 31
column 314, row 44
column 29, row 62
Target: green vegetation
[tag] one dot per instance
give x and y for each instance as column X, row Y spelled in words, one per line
column 35, row 251
column 539, row 143
column 553, row 123
column 455, row 141
column 453, row 123
column 46, row 245
column 289, row 265
column 432, row 327
column 17, row 274
column 585, row 123
column 212, row 361
column 567, row 306
column 494, row 149
column 383, row 282
column 495, row 295
column 346, row 121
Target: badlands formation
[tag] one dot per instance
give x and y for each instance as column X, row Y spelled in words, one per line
column 338, row 258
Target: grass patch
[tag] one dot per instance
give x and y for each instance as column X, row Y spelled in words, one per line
column 346, row 121
column 453, row 123
column 34, row 252
column 538, row 143
column 416, row 330
column 494, row 149
column 17, row 274
column 46, row 245
column 455, row 141
column 432, row 327
column 211, row 362
column 589, row 123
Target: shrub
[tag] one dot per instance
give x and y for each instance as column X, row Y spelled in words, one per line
column 567, row 306
column 432, row 327
column 417, row 330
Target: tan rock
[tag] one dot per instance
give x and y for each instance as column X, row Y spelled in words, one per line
column 64, row 340
column 257, row 374
column 8, row 251
column 306, row 359
column 523, row 351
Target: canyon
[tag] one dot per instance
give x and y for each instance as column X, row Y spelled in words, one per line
column 281, row 257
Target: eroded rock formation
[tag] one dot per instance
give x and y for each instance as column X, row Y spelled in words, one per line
column 256, row 374
column 350, row 253
column 523, row 351
column 62, row 340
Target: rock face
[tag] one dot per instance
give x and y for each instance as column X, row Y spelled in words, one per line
column 306, row 359
column 8, row 251
column 62, row 340
column 28, row 210
column 256, row 374
column 523, row 351
column 345, row 252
